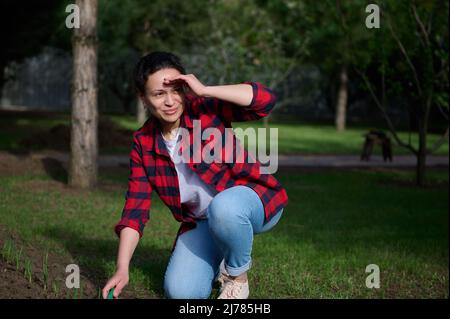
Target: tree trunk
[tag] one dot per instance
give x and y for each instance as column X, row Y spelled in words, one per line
column 341, row 107
column 2, row 78
column 421, row 156
column 84, row 140
column 141, row 112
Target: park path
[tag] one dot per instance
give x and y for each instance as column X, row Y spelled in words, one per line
column 317, row 161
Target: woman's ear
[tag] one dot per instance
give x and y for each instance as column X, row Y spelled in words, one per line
column 141, row 97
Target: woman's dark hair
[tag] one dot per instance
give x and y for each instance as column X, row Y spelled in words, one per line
column 152, row 63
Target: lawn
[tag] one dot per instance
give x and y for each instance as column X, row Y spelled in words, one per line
column 292, row 138
column 336, row 223
column 315, row 139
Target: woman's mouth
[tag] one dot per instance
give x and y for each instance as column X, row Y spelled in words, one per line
column 171, row 112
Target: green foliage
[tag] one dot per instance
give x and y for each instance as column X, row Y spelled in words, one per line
column 45, row 271
column 28, row 271
column 247, row 46
column 414, row 64
column 221, row 42
column 8, row 250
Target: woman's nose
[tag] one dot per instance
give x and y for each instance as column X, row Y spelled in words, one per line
column 169, row 99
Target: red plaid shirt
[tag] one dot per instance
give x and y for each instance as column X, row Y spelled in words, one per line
column 151, row 168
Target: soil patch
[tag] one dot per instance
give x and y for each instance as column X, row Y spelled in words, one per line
column 25, row 275
column 58, row 137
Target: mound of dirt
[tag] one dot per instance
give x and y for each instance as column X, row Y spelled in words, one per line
column 18, row 164
column 58, row 137
column 16, row 284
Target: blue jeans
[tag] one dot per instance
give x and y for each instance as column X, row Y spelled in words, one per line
column 233, row 217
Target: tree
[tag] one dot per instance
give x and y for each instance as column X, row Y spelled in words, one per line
column 118, row 54
column 84, row 141
column 332, row 24
column 218, row 49
column 251, row 46
column 129, row 29
column 411, row 60
column 312, row 32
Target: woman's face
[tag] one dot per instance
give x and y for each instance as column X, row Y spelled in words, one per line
column 165, row 101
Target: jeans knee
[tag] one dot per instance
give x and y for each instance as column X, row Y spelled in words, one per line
column 222, row 211
column 179, row 289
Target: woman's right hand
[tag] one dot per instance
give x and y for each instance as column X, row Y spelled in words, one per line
column 118, row 281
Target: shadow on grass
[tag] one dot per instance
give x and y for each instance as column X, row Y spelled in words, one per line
column 55, row 169
column 93, row 256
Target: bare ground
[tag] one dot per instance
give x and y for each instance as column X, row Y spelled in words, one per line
column 14, row 284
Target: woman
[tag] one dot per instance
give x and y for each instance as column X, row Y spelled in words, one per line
column 221, row 204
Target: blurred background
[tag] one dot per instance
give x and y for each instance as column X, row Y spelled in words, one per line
column 362, row 118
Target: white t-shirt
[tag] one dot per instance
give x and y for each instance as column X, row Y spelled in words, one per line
column 194, row 192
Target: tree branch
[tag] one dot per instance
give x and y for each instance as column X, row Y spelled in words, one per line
column 421, row 26
column 438, row 143
column 384, row 113
column 408, row 60
column 288, row 70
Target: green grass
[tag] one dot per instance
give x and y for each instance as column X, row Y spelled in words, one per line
column 323, row 139
column 292, row 138
column 335, row 225
column 314, row 139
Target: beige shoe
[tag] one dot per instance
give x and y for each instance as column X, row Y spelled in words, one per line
column 221, row 280
column 222, row 275
column 232, row 289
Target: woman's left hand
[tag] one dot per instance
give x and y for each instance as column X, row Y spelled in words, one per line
column 191, row 81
